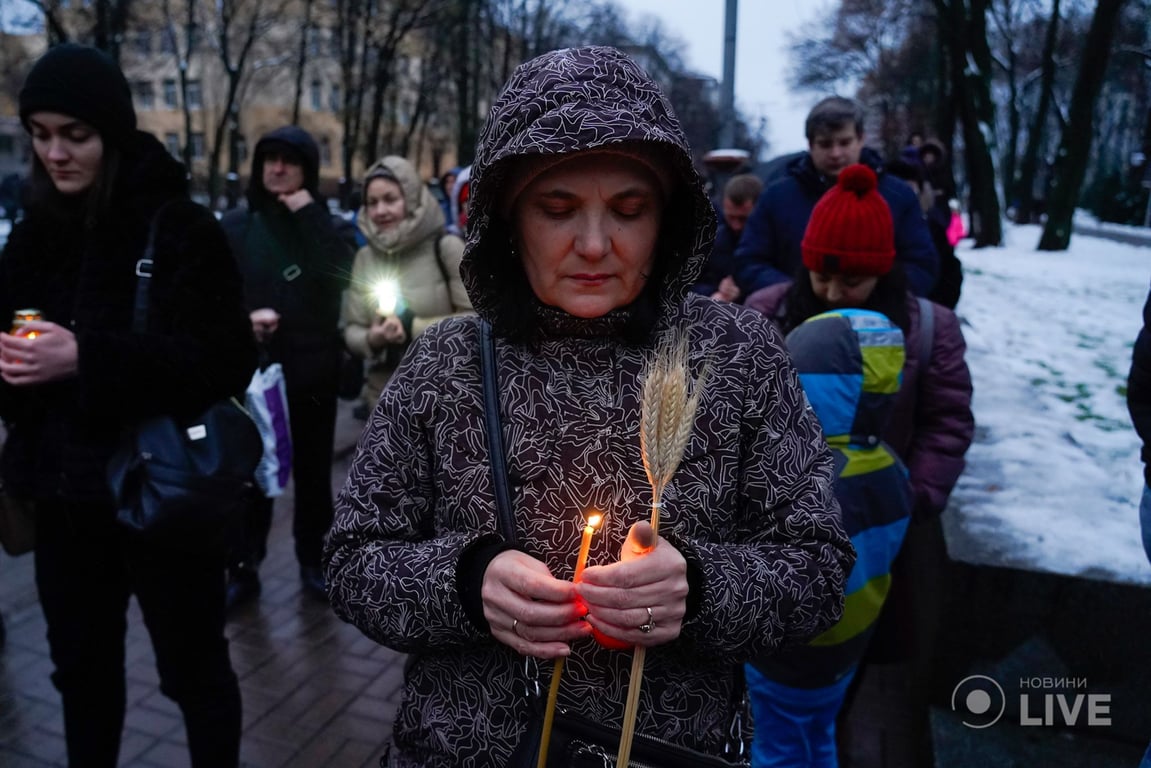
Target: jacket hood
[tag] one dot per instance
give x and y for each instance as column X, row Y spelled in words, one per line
column 850, row 363
column 574, row 100
column 296, row 139
column 423, row 216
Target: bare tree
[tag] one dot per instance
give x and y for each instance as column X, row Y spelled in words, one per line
column 965, row 27
column 1024, row 186
column 111, row 21
column 1075, row 143
column 354, row 23
column 183, row 51
column 302, row 60
column 236, row 26
column 394, row 26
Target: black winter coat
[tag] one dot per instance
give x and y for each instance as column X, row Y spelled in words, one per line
column 298, row 264
column 198, row 347
column 1139, row 388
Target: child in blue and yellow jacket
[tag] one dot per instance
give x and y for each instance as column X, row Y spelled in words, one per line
column 850, row 363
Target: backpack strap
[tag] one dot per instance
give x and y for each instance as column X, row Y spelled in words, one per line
column 926, row 331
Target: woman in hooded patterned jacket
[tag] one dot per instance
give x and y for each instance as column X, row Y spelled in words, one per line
column 407, row 247
column 588, row 227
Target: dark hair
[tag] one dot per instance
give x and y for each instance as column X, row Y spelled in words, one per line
column 901, row 169
column 739, row 189
column 833, row 114
column 889, row 297
column 513, row 313
column 90, row 207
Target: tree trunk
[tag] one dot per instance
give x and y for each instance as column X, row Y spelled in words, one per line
column 971, row 91
column 1075, row 143
column 1029, row 165
column 979, row 133
column 302, row 61
column 467, row 80
column 1014, row 120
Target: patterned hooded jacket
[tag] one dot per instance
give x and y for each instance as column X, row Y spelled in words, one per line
column 750, row 507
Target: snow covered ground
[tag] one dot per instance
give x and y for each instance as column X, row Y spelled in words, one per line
column 1054, row 478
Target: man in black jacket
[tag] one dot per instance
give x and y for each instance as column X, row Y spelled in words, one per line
column 1139, row 404
column 295, row 258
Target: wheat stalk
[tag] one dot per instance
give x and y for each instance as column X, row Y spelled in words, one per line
column 667, row 412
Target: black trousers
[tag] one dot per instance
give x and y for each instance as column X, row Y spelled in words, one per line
column 87, row 566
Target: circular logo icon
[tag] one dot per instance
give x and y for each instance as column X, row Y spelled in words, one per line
column 979, row 700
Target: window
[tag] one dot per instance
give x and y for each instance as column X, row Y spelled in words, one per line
column 170, row 100
column 317, row 96
column 242, row 148
column 193, row 94
column 197, row 146
column 167, row 42
column 325, row 151
column 336, row 103
column 313, row 36
column 143, row 42
column 172, row 142
column 7, row 144
column 145, row 94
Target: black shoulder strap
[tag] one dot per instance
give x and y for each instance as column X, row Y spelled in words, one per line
column 144, row 276
column 495, row 432
column 926, row 331
column 440, row 264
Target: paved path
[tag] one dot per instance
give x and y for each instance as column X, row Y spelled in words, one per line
column 316, row 692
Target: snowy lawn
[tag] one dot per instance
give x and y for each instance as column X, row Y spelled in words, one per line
column 1053, row 478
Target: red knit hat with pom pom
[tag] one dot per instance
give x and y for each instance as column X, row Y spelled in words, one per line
column 850, row 230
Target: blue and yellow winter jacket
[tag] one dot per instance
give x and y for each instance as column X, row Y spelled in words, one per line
column 850, row 363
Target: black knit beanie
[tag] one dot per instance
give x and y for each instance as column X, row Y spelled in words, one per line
column 81, row 82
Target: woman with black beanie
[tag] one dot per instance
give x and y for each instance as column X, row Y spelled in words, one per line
column 71, row 382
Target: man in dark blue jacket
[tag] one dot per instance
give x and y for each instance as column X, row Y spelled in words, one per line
column 769, row 249
column 739, row 196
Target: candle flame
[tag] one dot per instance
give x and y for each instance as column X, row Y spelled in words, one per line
column 594, row 520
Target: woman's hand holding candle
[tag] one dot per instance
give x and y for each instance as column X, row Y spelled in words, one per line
column 386, row 330
column 530, row 610
column 650, row 574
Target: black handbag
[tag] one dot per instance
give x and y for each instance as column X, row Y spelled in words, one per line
column 577, row 742
column 17, row 523
column 179, row 480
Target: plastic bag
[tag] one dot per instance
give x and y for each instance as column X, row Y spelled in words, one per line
column 267, row 400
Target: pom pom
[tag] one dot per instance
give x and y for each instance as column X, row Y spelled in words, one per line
column 857, row 178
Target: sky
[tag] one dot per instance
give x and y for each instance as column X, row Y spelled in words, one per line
column 760, row 55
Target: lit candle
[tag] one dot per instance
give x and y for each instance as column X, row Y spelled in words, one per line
column 387, row 294
column 593, row 524
column 594, row 519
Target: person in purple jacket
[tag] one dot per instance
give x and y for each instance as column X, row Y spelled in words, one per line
column 769, row 248
column 930, row 430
